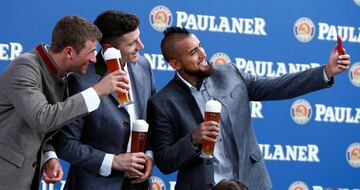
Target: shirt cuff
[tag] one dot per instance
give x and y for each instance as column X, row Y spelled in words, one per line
column 105, row 169
column 48, row 155
column 325, row 77
column 150, row 153
column 92, row 99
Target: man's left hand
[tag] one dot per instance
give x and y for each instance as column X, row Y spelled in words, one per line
column 337, row 63
column 148, row 170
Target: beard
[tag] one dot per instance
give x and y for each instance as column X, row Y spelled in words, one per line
column 201, row 74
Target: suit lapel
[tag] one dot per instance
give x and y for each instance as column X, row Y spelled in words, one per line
column 138, row 82
column 222, row 93
column 186, row 94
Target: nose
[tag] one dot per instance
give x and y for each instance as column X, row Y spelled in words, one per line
column 202, row 53
column 92, row 58
column 140, row 45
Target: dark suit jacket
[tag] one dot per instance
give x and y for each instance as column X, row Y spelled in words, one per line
column 31, row 105
column 173, row 114
column 85, row 142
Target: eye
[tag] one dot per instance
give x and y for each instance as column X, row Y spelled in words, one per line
column 131, row 44
column 134, row 43
column 192, row 52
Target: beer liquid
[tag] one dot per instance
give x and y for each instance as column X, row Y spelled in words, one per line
column 208, row 147
column 114, row 65
column 138, row 141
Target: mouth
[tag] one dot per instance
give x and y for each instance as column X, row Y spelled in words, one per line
column 135, row 53
column 203, row 63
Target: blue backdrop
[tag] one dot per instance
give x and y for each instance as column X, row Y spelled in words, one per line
column 311, row 142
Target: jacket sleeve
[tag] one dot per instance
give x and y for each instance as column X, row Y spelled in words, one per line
column 286, row 86
column 24, row 90
column 171, row 153
column 67, row 141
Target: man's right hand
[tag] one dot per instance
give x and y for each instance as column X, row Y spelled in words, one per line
column 206, row 132
column 52, row 171
column 132, row 163
column 115, row 81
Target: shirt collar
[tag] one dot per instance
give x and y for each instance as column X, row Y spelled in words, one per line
column 190, row 85
column 43, row 52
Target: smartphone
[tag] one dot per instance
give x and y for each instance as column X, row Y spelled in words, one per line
column 339, row 45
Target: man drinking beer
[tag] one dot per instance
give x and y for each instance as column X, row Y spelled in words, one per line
column 97, row 146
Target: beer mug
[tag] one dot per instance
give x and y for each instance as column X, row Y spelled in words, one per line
column 139, row 135
column 212, row 113
column 138, row 139
column 112, row 58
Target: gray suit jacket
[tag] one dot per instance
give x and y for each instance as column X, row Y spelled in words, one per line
column 85, row 142
column 31, row 105
column 173, row 114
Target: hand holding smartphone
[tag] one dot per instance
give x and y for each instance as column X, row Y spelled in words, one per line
column 339, row 45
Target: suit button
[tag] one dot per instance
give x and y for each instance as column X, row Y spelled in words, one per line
column 126, row 124
column 209, row 185
column 207, row 162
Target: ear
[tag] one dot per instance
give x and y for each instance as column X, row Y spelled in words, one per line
column 68, row 51
column 105, row 46
column 175, row 64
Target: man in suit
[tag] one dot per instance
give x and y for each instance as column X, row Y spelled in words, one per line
column 175, row 114
column 32, row 104
column 96, row 145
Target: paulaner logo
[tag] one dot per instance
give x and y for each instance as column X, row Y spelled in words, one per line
column 10, row 50
column 304, row 29
column 157, row 183
column 301, row 111
column 211, row 23
column 220, row 58
column 298, row 185
column 354, row 74
column 325, row 113
column 353, row 155
column 160, row 18
column 292, row 153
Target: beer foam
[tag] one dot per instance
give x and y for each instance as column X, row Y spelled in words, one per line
column 213, row 106
column 112, row 53
column 140, row 126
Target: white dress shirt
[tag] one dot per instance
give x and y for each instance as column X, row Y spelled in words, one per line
column 105, row 169
column 223, row 168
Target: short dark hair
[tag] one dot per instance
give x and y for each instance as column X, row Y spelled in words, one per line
column 73, row 31
column 172, row 34
column 113, row 24
column 232, row 184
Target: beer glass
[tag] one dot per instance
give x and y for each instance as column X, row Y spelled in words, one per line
column 112, row 58
column 138, row 139
column 139, row 135
column 212, row 113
